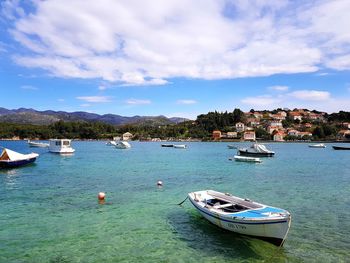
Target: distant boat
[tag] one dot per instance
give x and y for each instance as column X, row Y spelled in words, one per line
column 320, row 145
column 122, row 145
column 231, row 146
column 341, row 147
column 167, row 145
column 111, row 143
column 256, row 150
column 243, row 216
column 246, row 159
column 11, row 159
column 61, row 146
column 180, row 146
column 37, row 144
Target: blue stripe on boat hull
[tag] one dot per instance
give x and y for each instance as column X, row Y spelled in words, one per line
column 236, row 222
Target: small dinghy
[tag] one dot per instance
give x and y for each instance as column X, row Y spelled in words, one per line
column 319, row 145
column 11, row 159
column 180, row 146
column 167, row 145
column 243, row 216
column 38, row 144
column 246, row 159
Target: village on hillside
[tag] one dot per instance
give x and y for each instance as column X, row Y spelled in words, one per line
column 284, row 125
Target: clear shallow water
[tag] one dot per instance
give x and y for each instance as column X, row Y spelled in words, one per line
column 49, row 210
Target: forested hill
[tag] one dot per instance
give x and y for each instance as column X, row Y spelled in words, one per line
column 31, row 116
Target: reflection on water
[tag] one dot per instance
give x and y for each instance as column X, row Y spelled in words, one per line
column 9, row 178
column 209, row 239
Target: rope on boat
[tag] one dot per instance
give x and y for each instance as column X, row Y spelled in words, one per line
column 183, row 201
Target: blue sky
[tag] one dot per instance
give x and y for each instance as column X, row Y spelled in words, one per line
column 177, row 58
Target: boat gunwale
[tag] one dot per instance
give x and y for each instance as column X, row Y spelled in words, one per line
column 230, row 218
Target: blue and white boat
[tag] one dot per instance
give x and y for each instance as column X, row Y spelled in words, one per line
column 243, row 216
column 11, row 159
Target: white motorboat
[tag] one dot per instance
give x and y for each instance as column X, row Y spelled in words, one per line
column 111, row 143
column 61, row 146
column 256, row 150
column 180, row 146
column 11, row 159
column 319, row 145
column 243, row 216
column 122, row 145
column 246, row 159
column 37, row 144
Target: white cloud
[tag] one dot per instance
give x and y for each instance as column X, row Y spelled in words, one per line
column 95, row 99
column 137, row 102
column 102, row 87
column 133, row 44
column 61, row 100
column 29, row 87
column 311, row 95
column 278, row 88
column 186, row 102
column 85, row 105
column 264, row 100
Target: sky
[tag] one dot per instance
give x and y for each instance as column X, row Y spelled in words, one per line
column 176, row 57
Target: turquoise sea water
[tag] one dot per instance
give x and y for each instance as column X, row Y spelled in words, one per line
column 49, row 210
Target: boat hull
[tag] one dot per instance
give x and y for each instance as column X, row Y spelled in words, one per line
column 341, row 148
column 63, row 151
column 167, row 145
column 255, row 154
column 246, row 159
column 13, row 164
column 317, row 146
column 271, row 230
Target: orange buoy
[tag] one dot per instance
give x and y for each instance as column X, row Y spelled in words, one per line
column 101, row 196
column 160, row 183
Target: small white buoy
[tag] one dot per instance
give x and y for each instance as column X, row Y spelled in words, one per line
column 101, row 196
column 160, row 183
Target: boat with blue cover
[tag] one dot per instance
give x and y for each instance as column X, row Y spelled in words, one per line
column 12, row 159
column 243, row 216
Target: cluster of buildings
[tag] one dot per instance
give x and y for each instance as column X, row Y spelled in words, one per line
column 272, row 123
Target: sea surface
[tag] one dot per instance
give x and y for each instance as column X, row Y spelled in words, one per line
column 49, row 210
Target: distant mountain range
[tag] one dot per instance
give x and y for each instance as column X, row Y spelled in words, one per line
column 31, row 116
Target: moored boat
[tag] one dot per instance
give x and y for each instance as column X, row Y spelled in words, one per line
column 111, row 143
column 122, row 145
column 243, row 216
column 61, row 146
column 167, row 145
column 246, row 159
column 180, row 146
column 231, row 146
column 11, row 159
column 256, row 150
column 319, row 145
column 341, row 147
column 37, row 144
